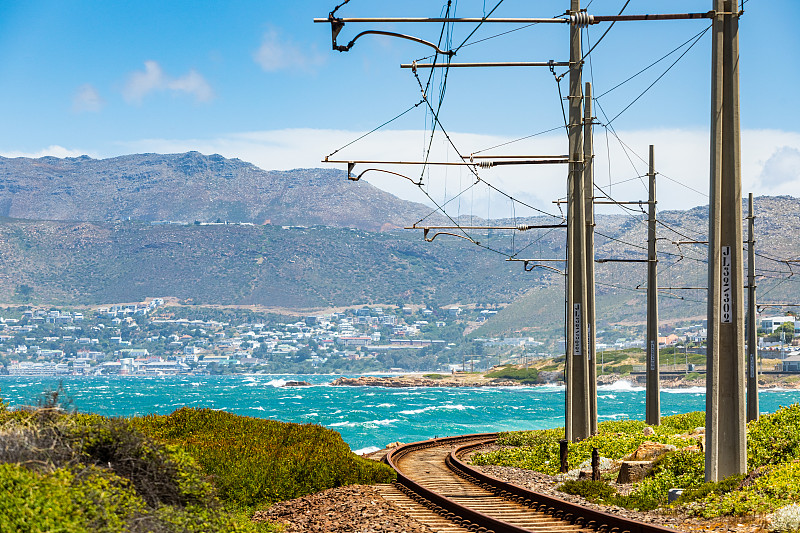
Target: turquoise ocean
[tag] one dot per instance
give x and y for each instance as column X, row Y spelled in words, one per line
column 367, row 417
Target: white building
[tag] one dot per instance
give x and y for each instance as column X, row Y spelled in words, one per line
column 772, row 323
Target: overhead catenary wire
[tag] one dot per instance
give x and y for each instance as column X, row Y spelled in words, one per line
column 374, row 129
column 472, row 169
column 436, row 124
column 654, row 63
column 591, row 49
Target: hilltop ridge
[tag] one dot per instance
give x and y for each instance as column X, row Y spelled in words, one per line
column 192, row 186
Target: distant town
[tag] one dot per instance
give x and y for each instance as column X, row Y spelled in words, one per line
column 152, row 338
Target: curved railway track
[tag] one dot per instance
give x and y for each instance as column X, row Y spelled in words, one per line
column 440, row 490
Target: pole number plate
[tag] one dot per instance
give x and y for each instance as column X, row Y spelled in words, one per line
column 726, row 311
column 576, row 330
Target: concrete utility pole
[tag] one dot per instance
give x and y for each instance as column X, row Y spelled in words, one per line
column 578, row 424
column 752, row 323
column 653, row 389
column 588, row 188
column 726, row 450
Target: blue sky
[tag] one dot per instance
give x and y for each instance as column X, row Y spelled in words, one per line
column 257, row 80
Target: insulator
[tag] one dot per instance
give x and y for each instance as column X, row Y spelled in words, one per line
column 581, row 19
column 486, row 164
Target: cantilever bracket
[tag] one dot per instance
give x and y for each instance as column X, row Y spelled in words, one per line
column 425, row 232
column 351, row 177
column 336, row 26
column 529, row 268
column 529, row 264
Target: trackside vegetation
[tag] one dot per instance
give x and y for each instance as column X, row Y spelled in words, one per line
column 527, row 376
column 772, row 484
column 197, row 470
column 255, row 461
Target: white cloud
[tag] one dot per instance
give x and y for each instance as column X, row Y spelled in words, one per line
column 153, row 78
column 682, row 160
column 278, row 53
column 87, row 99
column 54, row 151
column 782, row 168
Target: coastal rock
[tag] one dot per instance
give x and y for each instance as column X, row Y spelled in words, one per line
column 550, row 376
column 650, row 451
column 648, row 431
column 297, row 384
column 633, row 471
column 416, row 381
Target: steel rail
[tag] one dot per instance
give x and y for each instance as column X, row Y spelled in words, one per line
column 571, row 514
column 567, row 510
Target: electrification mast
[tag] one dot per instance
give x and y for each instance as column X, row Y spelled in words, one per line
column 752, row 324
column 578, row 418
column 653, row 388
column 725, row 427
column 588, row 187
column 726, row 450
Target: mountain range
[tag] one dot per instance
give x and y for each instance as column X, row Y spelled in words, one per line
column 193, row 187
column 211, row 230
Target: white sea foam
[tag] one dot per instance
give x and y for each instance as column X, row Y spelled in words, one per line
column 687, row 390
column 385, row 405
column 620, row 386
column 276, row 383
column 368, row 423
column 368, row 449
column 547, row 388
column 613, row 416
column 446, row 407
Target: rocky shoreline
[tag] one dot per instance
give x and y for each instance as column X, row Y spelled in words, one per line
column 480, row 380
column 418, row 381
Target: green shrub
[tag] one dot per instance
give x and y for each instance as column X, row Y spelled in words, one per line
column 89, row 473
column 774, row 438
column 47, row 439
column 539, row 450
column 775, row 487
column 683, row 422
column 682, row 469
column 594, row 491
column 523, row 375
column 623, row 369
column 628, row 427
column 433, row 376
column 702, row 491
column 255, row 461
column 38, row 502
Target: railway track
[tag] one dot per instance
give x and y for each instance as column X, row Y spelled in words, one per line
column 449, row 496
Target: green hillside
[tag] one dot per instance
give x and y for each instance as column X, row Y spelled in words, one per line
column 297, row 268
